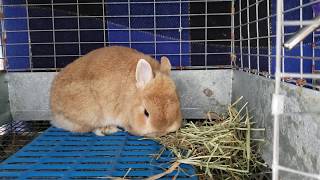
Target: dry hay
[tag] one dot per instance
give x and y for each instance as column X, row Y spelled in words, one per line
column 221, row 147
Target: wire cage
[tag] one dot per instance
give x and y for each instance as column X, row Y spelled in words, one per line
column 264, row 50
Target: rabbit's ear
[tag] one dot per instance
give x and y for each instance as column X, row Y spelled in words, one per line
column 165, row 66
column 143, row 73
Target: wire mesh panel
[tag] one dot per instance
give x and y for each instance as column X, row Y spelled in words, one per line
column 299, row 60
column 49, row 34
column 57, row 154
column 253, row 44
column 255, row 39
column 295, row 61
column 316, row 48
column 264, row 31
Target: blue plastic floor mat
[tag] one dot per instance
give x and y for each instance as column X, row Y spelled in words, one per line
column 57, row 154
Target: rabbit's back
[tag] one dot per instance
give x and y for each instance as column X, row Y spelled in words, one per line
column 94, row 87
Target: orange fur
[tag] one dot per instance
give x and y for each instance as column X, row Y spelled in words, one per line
column 99, row 90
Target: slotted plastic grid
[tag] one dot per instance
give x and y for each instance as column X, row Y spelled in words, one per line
column 57, row 154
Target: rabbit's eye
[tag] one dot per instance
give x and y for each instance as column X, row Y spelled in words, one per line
column 146, row 113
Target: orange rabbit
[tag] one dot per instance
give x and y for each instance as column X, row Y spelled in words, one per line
column 115, row 87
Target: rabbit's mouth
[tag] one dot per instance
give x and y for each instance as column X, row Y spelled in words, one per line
column 153, row 133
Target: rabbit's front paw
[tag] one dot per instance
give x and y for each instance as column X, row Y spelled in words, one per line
column 106, row 130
